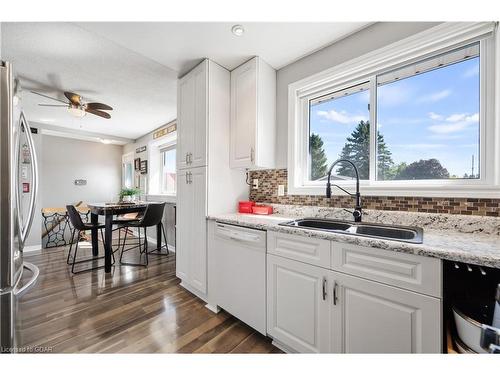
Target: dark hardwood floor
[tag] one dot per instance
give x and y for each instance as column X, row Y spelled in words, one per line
column 131, row 310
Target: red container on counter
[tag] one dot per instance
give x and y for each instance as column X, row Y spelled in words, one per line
column 262, row 210
column 245, row 207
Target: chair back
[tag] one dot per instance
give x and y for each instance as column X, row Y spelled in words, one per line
column 75, row 218
column 152, row 215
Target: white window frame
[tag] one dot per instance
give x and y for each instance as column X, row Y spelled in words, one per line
column 437, row 40
column 166, row 148
column 154, row 165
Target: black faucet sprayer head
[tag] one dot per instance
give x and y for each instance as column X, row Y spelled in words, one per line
column 328, row 190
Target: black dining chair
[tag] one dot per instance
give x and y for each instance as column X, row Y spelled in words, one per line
column 120, row 223
column 78, row 227
column 152, row 217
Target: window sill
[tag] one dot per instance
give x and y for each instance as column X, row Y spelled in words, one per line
column 169, row 198
column 412, row 190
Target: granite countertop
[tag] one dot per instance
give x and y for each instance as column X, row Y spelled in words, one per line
column 474, row 248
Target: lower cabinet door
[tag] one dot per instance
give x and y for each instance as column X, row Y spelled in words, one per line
column 298, row 305
column 183, row 220
column 369, row 317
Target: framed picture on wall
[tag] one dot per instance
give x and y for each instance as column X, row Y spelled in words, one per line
column 144, row 167
column 137, row 164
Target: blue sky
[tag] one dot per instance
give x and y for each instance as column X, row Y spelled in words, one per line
column 430, row 115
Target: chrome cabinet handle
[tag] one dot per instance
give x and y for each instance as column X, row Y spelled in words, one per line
column 190, row 158
column 324, row 288
column 190, row 177
column 252, row 154
column 187, row 179
column 335, row 293
column 24, row 229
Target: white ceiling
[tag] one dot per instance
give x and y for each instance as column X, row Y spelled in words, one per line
column 134, row 66
column 181, row 45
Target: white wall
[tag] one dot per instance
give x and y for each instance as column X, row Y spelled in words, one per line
column 63, row 160
column 364, row 41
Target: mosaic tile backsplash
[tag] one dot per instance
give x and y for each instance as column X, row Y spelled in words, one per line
column 270, row 179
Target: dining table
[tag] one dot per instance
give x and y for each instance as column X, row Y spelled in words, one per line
column 109, row 210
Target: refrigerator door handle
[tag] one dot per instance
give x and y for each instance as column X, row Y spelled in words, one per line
column 35, row 272
column 24, row 229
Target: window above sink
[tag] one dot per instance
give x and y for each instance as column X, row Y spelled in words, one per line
column 416, row 117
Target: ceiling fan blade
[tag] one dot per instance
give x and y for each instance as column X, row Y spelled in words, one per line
column 99, row 106
column 73, row 98
column 98, row 113
column 49, row 97
column 53, row 105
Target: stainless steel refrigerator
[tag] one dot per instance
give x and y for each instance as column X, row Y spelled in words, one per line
column 18, row 192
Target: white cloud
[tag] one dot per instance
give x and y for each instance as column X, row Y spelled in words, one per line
column 455, row 123
column 435, row 96
column 435, row 116
column 393, row 95
column 456, row 117
column 343, row 117
column 473, row 71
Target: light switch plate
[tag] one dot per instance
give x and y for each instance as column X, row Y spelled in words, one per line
column 281, row 190
column 255, row 183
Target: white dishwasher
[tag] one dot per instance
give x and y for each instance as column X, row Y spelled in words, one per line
column 240, row 273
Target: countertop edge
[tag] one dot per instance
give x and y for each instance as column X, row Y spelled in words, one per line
column 383, row 244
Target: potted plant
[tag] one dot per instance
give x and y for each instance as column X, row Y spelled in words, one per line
column 128, row 194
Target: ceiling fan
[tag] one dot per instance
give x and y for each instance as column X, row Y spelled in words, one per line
column 77, row 107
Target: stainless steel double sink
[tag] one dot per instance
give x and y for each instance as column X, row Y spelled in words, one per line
column 381, row 231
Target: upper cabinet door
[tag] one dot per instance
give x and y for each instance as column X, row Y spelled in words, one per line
column 253, row 115
column 369, row 317
column 198, row 156
column 192, row 118
column 185, row 119
column 243, row 114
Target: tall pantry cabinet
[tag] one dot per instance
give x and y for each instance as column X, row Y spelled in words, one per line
column 205, row 183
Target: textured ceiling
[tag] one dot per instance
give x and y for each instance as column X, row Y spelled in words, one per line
column 134, row 66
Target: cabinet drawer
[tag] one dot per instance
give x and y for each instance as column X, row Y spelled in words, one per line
column 408, row 271
column 305, row 249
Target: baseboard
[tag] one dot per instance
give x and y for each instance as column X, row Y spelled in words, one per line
column 198, row 294
column 283, row 347
column 213, row 308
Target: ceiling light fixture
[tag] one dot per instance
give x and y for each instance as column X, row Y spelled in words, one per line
column 76, row 111
column 237, row 30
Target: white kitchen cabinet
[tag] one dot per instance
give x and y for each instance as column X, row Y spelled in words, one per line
column 206, row 184
column 191, row 246
column 183, row 226
column 309, row 250
column 369, row 317
column 311, row 309
column 253, row 115
column 192, row 118
column 298, row 306
column 408, row 271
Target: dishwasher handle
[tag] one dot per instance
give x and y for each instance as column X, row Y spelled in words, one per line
column 237, row 235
